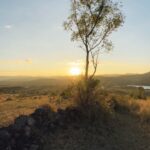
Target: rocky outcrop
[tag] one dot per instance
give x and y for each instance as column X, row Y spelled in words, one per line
column 28, row 132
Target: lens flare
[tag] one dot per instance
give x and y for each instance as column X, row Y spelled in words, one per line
column 75, row 71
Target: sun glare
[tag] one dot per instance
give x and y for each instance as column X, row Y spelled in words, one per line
column 75, row 71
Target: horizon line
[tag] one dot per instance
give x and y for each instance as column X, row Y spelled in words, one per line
column 34, row 76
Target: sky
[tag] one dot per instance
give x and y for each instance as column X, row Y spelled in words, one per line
column 34, row 43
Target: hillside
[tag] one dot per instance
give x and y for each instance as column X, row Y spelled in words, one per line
column 120, row 80
column 124, row 80
column 71, row 129
column 37, row 114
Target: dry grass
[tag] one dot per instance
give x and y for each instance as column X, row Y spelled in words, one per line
column 141, row 108
column 144, row 110
column 11, row 106
column 138, row 107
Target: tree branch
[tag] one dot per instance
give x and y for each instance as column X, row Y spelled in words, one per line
column 104, row 36
column 76, row 22
column 99, row 14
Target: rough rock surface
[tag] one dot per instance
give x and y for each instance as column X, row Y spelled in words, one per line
column 69, row 129
column 28, row 132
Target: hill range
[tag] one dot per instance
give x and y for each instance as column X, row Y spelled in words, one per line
column 111, row 80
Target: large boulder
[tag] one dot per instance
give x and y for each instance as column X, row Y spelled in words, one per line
column 4, row 139
column 20, row 122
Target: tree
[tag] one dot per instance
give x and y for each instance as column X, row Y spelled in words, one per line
column 91, row 22
column 141, row 93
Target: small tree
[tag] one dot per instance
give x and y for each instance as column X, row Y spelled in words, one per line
column 91, row 22
column 141, row 93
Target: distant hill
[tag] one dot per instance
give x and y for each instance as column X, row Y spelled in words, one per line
column 114, row 80
column 123, row 80
column 33, row 81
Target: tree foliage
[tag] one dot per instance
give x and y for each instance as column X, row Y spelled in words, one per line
column 91, row 22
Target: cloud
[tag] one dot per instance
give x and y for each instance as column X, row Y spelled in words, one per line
column 15, row 62
column 8, row 26
column 76, row 63
column 28, row 61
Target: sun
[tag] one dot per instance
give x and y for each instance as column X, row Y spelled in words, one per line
column 75, row 71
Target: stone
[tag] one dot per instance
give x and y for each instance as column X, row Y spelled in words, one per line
column 4, row 135
column 34, row 147
column 27, row 131
column 4, row 139
column 20, row 122
column 30, row 121
column 9, row 148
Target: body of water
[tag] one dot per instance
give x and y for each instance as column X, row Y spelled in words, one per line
column 145, row 87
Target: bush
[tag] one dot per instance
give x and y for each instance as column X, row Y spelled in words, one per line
column 67, row 93
column 124, row 104
column 9, row 99
column 86, row 92
column 138, row 93
column 91, row 100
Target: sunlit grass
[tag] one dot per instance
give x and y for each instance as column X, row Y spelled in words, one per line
column 15, row 107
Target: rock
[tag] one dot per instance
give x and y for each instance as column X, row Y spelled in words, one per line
column 27, row 131
column 30, row 121
column 20, row 122
column 60, row 111
column 34, row 147
column 42, row 117
column 13, row 142
column 4, row 139
column 4, row 135
column 43, row 111
column 9, row 148
column 39, row 111
column 52, row 127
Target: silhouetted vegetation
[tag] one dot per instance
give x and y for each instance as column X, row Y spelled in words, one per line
column 91, row 23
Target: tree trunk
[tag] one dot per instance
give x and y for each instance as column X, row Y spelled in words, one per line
column 87, row 66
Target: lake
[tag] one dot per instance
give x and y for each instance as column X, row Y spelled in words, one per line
column 145, row 87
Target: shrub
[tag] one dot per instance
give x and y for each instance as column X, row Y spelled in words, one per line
column 67, row 93
column 86, row 92
column 9, row 99
column 91, row 100
column 138, row 93
column 125, row 104
column 141, row 93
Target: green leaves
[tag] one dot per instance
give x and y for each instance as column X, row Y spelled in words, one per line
column 91, row 22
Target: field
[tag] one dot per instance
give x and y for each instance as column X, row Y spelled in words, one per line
column 19, row 103
column 24, row 95
column 124, row 112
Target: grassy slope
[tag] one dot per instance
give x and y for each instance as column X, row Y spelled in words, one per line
column 10, row 109
column 128, row 130
column 126, row 134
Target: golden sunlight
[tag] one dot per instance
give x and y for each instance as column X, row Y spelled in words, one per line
column 75, row 71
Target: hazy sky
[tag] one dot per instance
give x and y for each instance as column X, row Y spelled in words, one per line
column 33, row 42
